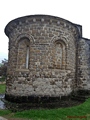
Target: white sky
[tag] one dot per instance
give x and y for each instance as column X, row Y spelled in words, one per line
column 76, row 11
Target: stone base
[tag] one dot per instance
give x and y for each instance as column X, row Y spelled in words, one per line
column 35, row 99
column 82, row 92
column 35, row 102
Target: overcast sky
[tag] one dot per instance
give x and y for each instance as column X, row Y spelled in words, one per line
column 76, row 11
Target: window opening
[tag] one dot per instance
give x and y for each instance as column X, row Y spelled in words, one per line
column 27, row 57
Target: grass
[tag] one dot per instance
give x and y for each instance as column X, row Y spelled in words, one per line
column 4, row 112
column 76, row 113
column 2, row 88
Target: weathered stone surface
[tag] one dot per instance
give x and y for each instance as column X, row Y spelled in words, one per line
column 47, row 57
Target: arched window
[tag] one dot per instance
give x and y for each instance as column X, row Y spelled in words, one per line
column 27, row 57
column 60, row 55
column 23, row 54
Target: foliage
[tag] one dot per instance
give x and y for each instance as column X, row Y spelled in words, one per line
column 0, row 64
column 2, row 88
column 2, row 79
column 3, row 67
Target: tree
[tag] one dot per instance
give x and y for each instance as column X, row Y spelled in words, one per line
column 3, row 67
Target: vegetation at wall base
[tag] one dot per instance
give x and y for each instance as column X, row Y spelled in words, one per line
column 2, row 79
column 3, row 68
column 2, row 88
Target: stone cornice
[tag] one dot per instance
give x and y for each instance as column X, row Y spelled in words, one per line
column 32, row 19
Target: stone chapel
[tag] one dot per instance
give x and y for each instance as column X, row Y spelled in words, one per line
column 48, row 57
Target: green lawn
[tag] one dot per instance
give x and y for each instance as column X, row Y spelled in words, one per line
column 2, row 88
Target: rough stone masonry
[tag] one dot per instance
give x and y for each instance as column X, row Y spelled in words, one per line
column 48, row 57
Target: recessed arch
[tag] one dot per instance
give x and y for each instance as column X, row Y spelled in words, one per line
column 22, row 44
column 59, row 38
column 23, row 53
column 60, row 54
column 21, row 36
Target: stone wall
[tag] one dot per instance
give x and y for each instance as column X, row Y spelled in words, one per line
column 83, row 64
column 47, row 57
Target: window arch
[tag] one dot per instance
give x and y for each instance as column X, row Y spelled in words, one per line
column 23, row 53
column 60, row 55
